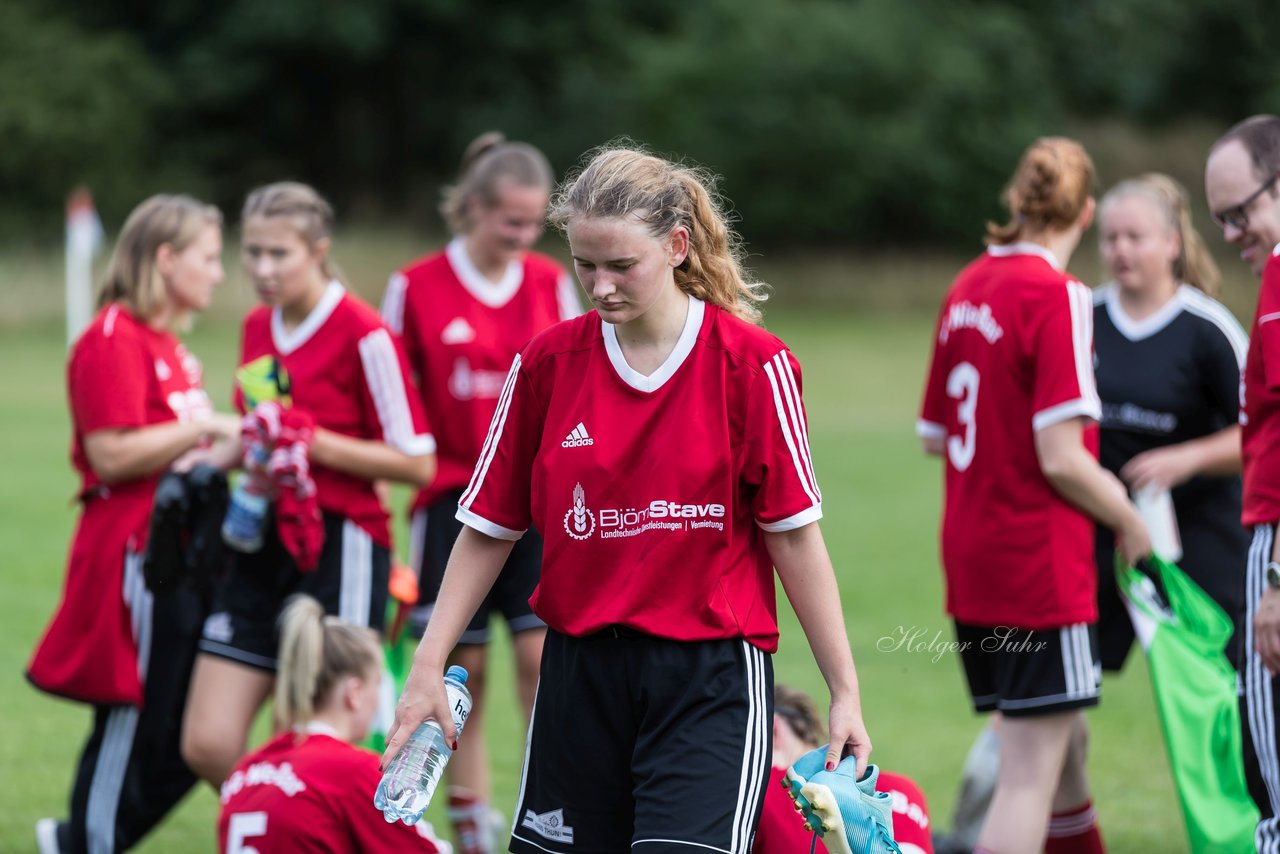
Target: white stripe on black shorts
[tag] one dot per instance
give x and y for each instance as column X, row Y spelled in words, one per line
column 645, row 744
column 350, row 582
column 1024, row 672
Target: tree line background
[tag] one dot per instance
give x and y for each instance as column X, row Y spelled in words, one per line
column 865, row 122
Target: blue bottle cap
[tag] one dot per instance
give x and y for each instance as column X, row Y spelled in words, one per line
column 457, row 673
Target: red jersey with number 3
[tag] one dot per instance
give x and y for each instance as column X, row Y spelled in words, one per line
column 1260, row 403
column 311, row 793
column 652, row 493
column 342, row 365
column 1012, row 354
column 460, row 332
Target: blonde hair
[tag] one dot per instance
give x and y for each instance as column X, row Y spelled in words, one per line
column 1194, row 265
column 801, row 714
column 620, row 182
column 132, row 277
column 308, row 212
column 1048, row 192
column 316, row 653
column 487, row 161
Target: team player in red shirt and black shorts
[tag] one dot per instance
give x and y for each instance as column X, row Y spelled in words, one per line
column 1010, row 403
column 650, row 729
column 309, row 789
column 314, row 348
column 462, row 315
column 137, row 407
column 1241, row 185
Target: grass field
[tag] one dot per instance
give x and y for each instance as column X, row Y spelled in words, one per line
column 863, row 369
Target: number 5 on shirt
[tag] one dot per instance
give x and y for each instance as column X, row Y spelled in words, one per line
column 242, row 826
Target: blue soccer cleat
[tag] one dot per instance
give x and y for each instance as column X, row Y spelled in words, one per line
column 848, row 814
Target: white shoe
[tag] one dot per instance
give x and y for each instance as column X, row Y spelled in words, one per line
column 47, row 836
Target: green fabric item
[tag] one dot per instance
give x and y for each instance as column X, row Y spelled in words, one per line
column 1184, row 635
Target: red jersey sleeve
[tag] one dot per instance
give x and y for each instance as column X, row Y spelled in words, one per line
column 778, row 465
column 1268, row 325
column 107, row 377
column 390, row 393
column 1061, row 345
column 496, row 501
column 932, row 421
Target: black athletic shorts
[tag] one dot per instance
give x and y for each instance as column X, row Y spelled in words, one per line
column 1023, row 672
column 432, row 534
column 645, row 744
column 350, row 582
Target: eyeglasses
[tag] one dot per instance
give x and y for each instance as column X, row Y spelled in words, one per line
column 1238, row 216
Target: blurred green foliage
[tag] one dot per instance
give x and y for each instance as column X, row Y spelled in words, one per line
column 853, row 121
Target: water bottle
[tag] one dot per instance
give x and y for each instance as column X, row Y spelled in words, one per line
column 245, row 524
column 411, row 779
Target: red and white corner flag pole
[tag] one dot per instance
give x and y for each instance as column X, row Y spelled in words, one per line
column 84, row 237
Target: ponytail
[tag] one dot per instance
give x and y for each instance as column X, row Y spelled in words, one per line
column 622, row 182
column 1194, row 265
column 316, row 653
column 487, row 161
column 1048, row 192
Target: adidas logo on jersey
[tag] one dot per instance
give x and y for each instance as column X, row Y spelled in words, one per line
column 578, row 438
column 457, row 332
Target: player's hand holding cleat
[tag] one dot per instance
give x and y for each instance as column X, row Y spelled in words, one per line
column 848, row 814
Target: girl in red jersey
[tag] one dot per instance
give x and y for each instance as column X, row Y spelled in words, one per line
column 1010, row 403
column 137, row 406
column 463, row 314
column 310, row 789
column 797, row 729
column 319, row 351
column 650, row 726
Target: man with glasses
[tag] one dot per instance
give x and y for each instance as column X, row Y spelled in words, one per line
column 1241, row 186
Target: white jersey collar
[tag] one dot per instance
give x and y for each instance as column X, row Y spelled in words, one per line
column 684, row 346
column 1024, row 247
column 1137, row 330
column 493, row 294
column 286, row 342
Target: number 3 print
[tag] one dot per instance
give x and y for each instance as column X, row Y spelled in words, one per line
column 962, row 385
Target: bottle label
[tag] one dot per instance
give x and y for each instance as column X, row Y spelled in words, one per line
column 459, row 706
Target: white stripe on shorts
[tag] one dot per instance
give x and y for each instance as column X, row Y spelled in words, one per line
column 1258, row 696
column 356, row 587
column 754, row 750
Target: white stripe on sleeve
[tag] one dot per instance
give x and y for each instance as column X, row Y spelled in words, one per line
column 567, row 298
column 793, row 440
column 1080, row 299
column 393, row 302
column 386, row 385
column 490, row 446
column 1220, row 316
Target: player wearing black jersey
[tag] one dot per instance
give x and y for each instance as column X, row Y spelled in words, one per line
column 1167, row 361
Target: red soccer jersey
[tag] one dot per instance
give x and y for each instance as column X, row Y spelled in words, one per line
column 343, row 366
column 311, row 793
column 1012, row 355
column 121, row 374
column 1260, row 404
column 651, row 492
column 460, row 333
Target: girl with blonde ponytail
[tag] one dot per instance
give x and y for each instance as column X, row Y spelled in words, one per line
column 310, row 788
column 659, row 444
column 1168, row 365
